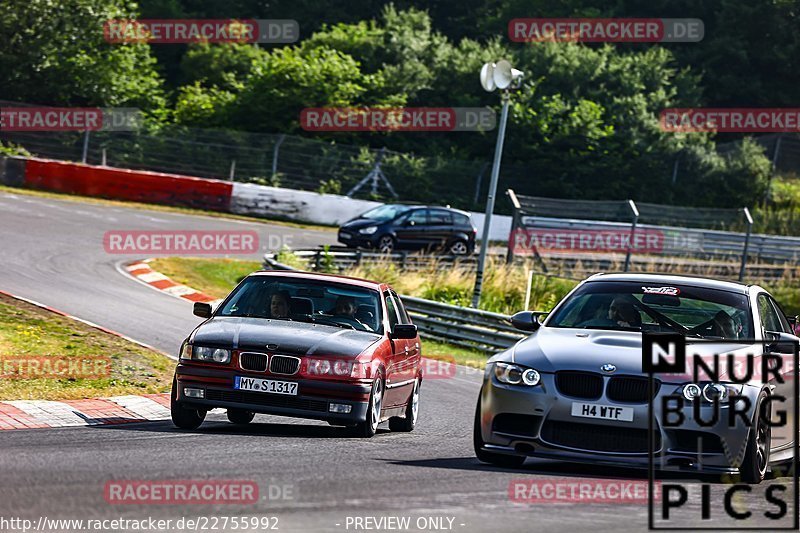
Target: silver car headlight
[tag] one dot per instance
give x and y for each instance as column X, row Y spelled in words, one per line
column 710, row 392
column 368, row 231
column 211, row 355
column 516, row 375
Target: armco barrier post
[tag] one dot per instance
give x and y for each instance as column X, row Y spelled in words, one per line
column 635, row 219
column 749, row 220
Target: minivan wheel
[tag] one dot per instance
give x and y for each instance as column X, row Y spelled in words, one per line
column 459, row 248
column 386, row 244
column 184, row 417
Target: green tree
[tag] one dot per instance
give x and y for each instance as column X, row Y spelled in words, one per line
column 54, row 52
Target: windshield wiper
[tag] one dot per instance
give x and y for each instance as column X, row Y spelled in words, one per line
column 245, row 315
column 332, row 323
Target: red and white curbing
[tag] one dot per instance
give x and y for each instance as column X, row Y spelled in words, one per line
column 30, row 414
column 142, row 272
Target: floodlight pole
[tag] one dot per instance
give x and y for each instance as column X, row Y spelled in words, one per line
column 498, row 154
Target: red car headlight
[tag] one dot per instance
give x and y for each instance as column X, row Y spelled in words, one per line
column 334, row 368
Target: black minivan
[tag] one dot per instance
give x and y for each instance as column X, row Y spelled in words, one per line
column 393, row 226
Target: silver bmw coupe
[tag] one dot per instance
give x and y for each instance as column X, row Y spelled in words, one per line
column 575, row 388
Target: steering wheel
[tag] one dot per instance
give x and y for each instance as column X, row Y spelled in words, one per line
column 703, row 325
column 352, row 321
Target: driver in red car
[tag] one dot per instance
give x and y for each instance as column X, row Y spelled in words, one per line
column 345, row 306
column 279, row 305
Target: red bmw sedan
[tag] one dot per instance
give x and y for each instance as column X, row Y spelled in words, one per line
column 304, row 345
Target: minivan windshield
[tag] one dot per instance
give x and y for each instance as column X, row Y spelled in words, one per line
column 385, row 212
column 294, row 299
column 653, row 307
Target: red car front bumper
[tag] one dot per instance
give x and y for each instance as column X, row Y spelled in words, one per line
column 313, row 399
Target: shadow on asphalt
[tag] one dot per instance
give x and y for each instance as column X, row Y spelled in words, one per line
column 559, row 469
column 253, row 429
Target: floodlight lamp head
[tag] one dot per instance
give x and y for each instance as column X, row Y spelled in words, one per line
column 507, row 77
column 487, row 77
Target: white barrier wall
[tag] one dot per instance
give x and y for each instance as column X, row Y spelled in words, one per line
column 302, row 206
column 305, row 206
column 501, row 226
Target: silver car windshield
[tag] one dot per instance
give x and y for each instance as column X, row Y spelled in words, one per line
column 635, row 306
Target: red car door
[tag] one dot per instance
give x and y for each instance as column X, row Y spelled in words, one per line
column 405, row 355
column 413, row 355
column 395, row 372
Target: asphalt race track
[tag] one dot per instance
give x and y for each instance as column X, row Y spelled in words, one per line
column 312, row 477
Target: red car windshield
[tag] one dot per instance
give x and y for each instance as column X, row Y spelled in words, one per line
column 321, row 302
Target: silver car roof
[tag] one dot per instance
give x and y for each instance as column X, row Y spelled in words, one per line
column 667, row 279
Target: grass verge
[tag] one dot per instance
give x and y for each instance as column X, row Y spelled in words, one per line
column 215, row 277
column 28, row 332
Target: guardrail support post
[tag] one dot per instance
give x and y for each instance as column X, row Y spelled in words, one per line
column 634, row 221
column 743, row 266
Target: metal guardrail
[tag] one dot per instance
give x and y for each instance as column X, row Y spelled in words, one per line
column 569, row 267
column 341, row 258
column 461, row 326
column 671, row 223
column 700, row 243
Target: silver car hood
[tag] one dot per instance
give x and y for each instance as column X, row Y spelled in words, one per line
column 552, row 349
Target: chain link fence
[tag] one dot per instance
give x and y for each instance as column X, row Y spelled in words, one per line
column 570, row 232
column 288, row 161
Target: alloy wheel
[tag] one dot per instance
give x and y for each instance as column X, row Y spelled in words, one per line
column 458, row 248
